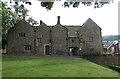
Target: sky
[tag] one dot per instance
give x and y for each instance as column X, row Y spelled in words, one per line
column 106, row 17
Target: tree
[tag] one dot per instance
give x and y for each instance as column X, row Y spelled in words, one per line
column 31, row 21
column 20, row 10
column 95, row 3
column 74, row 3
column 0, row 21
column 10, row 18
column 47, row 5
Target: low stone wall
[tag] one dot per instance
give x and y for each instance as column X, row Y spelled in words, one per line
column 104, row 59
column 111, row 61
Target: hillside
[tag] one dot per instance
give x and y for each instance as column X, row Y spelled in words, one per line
column 111, row 37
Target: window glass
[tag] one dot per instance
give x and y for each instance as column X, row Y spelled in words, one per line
column 22, row 34
column 27, row 47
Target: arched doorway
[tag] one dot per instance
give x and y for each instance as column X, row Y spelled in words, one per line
column 46, row 50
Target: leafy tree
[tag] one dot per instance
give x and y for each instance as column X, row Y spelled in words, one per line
column 95, row 3
column 10, row 18
column 31, row 21
column 20, row 10
column 0, row 21
column 47, row 5
column 74, row 3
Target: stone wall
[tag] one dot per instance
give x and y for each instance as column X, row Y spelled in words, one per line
column 43, row 38
column 59, row 40
column 16, row 41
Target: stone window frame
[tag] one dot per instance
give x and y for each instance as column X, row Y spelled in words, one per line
column 27, row 47
column 42, row 36
column 22, row 34
column 39, row 40
column 92, row 49
column 91, row 38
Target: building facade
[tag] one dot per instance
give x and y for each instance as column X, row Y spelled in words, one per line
column 54, row 40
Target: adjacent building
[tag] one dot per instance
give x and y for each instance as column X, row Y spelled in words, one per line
column 111, row 46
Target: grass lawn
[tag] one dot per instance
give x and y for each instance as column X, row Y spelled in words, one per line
column 48, row 66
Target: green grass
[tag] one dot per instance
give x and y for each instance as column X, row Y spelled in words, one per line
column 47, row 66
column 0, row 66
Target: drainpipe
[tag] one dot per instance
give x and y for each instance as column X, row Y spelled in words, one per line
column 58, row 21
column 50, row 41
column 35, row 40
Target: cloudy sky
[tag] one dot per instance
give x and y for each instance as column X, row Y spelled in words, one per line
column 106, row 17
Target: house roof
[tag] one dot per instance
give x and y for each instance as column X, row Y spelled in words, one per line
column 107, row 44
column 72, row 29
column 20, row 21
column 89, row 21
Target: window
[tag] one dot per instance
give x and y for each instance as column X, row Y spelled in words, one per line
column 72, row 41
column 91, row 39
column 42, row 35
column 92, row 49
column 22, row 35
column 27, row 47
column 50, row 40
column 68, row 32
column 39, row 40
column 83, row 41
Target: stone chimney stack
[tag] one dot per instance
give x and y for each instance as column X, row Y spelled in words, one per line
column 40, row 22
column 58, row 21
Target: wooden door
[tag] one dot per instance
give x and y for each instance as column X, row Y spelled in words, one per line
column 47, row 50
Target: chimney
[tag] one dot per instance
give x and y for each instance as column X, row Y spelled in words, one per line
column 40, row 22
column 58, row 21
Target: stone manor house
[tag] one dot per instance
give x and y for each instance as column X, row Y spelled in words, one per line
column 59, row 39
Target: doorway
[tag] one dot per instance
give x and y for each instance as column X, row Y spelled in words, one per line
column 47, row 50
column 72, row 51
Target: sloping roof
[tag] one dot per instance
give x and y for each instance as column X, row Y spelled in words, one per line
column 72, row 29
column 89, row 22
column 107, row 44
column 20, row 21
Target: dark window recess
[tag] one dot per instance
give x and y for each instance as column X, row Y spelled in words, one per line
column 50, row 40
column 72, row 40
column 83, row 41
column 27, row 47
column 80, row 41
column 92, row 49
column 22, row 34
column 42, row 35
column 34, row 30
column 50, row 31
column 66, row 38
column 39, row 40
column 91, row 39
